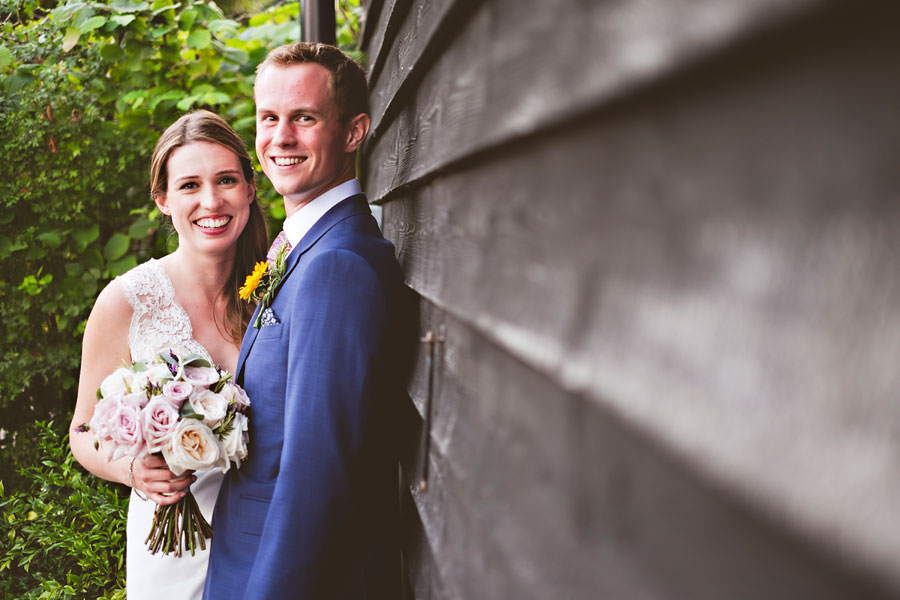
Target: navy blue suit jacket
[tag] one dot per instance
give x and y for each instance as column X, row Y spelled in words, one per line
column 313, row 511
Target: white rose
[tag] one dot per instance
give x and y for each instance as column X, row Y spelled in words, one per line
column 211, row 405
column 235, row 394
column 117, row 382
column 202, row 376
column 153, row 375
column 235, row 443
column 194, row 446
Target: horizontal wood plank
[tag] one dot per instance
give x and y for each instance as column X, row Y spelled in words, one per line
column 392, row 15
column 423, row 34
column 499, row 81
column 370, row 24
column 713, row 264
column 539, row 493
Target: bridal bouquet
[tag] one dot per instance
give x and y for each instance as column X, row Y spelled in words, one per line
column 187, row 410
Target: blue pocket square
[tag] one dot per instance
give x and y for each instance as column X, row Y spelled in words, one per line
column 268, row 318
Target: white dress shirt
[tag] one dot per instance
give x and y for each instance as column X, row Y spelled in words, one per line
column 299, row 223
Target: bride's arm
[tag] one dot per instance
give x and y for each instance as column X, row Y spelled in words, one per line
column 105, row 348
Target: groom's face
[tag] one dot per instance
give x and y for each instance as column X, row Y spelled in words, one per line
column 300, row 140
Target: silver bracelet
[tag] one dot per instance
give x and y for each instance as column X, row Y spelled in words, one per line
column 131, row 479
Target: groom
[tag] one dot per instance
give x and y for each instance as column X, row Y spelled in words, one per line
column 312, row 513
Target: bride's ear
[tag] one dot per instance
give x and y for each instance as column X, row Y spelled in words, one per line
column 161, row 202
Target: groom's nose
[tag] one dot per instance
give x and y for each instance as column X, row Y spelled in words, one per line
column 284, row 135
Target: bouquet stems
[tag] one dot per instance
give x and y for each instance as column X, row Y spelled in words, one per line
column 178, row 526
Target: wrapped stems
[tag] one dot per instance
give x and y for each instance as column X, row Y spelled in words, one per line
column 179, row 526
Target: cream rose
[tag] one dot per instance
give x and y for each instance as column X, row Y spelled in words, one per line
column 194, row 446
column 235, row 443
column 211, row 405
column 117, row 382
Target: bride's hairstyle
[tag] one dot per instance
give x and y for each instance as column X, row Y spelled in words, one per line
column 205, row 126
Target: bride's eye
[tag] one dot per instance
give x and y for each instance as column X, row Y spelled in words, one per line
column 228, row 180
column 188, row 185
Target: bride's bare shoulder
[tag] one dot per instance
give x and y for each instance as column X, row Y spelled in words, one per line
column 111, row 306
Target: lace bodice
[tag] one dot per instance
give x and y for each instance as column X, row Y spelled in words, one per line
column 158, row 323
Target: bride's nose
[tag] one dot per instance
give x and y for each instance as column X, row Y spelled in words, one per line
column 210, row 198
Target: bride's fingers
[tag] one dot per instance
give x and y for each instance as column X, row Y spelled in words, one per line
column 168, row 487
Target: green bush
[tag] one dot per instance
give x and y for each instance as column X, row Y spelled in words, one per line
column 62, row 532
column 85, row 90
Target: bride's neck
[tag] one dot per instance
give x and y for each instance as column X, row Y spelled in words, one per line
column 198, row 275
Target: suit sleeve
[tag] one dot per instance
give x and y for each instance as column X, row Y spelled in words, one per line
column 337, row 321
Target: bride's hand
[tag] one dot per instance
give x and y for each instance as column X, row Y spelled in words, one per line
column 153, row 478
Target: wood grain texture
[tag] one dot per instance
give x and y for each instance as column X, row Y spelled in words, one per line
column 515, row 69
column 711, row 263
column 392, row 15
column 538, row 493
column 372, row 11
column 422, row 35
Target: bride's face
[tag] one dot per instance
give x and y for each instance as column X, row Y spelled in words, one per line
column 207, row 197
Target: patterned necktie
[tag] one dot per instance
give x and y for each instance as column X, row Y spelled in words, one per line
column 280, row 242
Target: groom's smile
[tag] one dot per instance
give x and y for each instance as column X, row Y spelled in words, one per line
column 288, row 161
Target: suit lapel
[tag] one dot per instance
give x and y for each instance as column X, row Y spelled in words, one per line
column 354, row 205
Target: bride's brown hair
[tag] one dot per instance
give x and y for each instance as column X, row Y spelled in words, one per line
column 206, row 126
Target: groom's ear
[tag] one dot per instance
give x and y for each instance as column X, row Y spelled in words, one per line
column 356, row 132
column 161, row 202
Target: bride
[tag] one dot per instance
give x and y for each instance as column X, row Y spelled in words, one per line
column 201, row 176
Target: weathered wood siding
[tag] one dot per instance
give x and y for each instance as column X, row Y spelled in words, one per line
column 661, row 239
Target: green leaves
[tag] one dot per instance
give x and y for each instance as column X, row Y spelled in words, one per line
column 62, row 534
column 117, row 246
column 71, row 38
column 199, row 39
column 5, row 56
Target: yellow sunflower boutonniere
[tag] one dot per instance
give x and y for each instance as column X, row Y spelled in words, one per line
column 260, row 285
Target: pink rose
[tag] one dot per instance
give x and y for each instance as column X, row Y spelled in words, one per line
column 159, row 420
column 177, row 392
column 104, row 414
column 126, row 432
column 201, row 376
column 137, row 400
column 236, row 395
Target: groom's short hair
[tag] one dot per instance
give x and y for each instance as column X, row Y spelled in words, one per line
column 348, row 79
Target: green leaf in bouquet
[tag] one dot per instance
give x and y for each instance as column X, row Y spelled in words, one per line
column 187, row 412
column 169, row 359
column 138, row 366
column 195, row 360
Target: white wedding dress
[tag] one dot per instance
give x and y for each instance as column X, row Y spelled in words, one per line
column 160, row 324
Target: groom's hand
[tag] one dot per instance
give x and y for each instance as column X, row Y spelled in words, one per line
column 153, row 477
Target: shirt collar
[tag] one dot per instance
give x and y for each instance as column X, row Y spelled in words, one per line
column 299, row 223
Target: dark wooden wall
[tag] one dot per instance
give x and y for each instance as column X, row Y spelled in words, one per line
column 662, row 240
